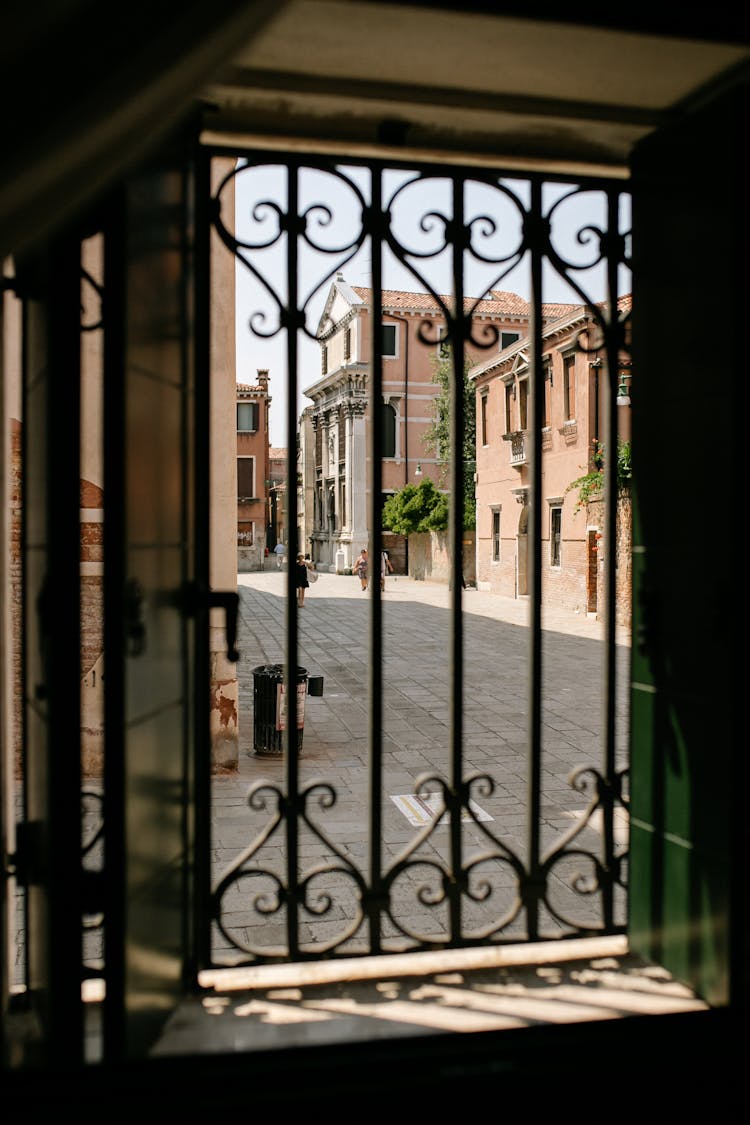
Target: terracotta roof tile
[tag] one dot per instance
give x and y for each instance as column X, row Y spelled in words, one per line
column 557, row 317
column 512, row 301
column 555, row 311
column 499, row 303
column 248, row 387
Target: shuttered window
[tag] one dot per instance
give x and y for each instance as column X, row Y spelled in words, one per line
column 245, row 477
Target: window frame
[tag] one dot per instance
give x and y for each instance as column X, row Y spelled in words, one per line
column 523, row 401
column 495, row 536
column 253, row 494
column 569, row 387
column 547, row 396
column 388, row 430
column 509, row 397
column 254, row 408
column 390, row 327
column 555, row 534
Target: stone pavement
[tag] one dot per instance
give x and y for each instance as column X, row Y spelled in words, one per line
column 333, row 643
column 371, row 999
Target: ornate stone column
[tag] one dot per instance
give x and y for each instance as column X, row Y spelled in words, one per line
column 356, row 457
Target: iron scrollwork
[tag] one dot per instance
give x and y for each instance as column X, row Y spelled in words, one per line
column 488, row 227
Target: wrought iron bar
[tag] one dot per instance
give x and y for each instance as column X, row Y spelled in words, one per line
column 292, row 226
column 456, row 795
column 537, row 232
column 443, row 878
column 374, row 900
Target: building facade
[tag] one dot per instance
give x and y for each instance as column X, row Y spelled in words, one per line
column 253, row 474
column 572, row 447
column 413, row 331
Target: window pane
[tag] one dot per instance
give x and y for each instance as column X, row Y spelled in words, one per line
column 523, row 400
column 245, row 474
column 555, row 529
column 247, row 413
column 389, row 430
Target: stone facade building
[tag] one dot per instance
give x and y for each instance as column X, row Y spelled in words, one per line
column 413, row 326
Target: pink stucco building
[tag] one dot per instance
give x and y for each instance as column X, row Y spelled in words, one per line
column 572, row 431
column 335, row 431
column 254, row 522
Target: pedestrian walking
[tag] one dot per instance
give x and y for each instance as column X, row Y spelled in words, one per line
column 279, row 550
column 312, row 574
column 302, row 579
column 386, row 567
column 360, row 568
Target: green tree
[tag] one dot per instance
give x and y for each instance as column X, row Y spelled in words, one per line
column 437, row 438
column 416, row 507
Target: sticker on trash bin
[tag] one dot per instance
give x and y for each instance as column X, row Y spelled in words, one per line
column 281, row 706
column 421, row 810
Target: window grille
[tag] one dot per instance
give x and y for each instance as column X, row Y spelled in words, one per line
column 470, row 885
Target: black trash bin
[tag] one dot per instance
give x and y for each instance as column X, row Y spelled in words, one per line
column 269, row 707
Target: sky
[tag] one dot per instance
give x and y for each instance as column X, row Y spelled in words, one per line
column 419, row 207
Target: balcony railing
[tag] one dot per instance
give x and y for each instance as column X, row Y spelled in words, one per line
column 518, row 454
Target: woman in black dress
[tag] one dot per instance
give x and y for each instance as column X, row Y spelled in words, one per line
column 302, row 580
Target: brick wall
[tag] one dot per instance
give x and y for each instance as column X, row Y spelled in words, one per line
column 623, row 559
